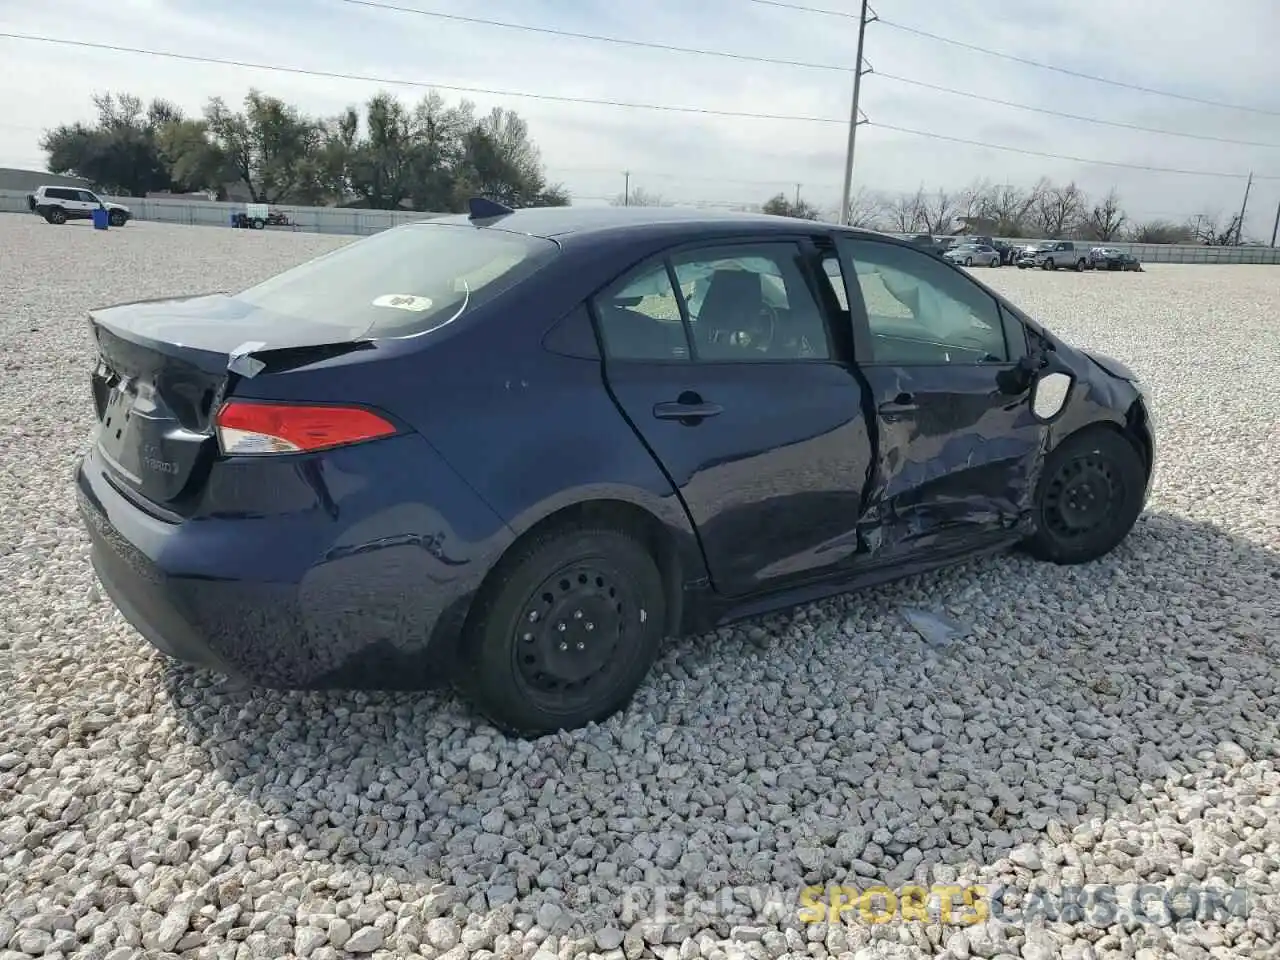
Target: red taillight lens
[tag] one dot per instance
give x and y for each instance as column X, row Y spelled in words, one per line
column 252, row 428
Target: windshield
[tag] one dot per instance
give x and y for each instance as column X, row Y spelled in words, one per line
column 404, row 281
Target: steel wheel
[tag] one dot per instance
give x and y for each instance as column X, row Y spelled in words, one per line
column 564, row 630
column 1090, row 494
column 571, row 628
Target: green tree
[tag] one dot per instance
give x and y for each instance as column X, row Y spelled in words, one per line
column 272, row 147
column 119, row 153
column 779, row 206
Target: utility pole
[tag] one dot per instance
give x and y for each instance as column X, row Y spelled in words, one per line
column 626, row 190
column 797, row 195
column 853, row 118
column 1276, row 228
column 1243, row 205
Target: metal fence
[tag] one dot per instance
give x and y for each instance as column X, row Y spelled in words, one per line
column 209, row 213
column 364, row 222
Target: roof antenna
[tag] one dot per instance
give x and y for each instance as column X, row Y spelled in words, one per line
column 483, row 208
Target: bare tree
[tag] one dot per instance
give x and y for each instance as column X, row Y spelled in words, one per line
column 1059, row 209
column 1206, row 229
column 640, row 197
column 1106, row 219
column 1010, row 208
column 975, row 199
column 904, row 211
column 865, row 208
column 938, row 209
column 1158, row 231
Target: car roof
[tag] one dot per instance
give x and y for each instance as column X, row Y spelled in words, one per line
column 560, row 223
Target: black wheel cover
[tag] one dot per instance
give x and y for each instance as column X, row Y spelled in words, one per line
column 571, row 628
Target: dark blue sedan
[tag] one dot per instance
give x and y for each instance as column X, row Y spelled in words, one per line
column 513, row 451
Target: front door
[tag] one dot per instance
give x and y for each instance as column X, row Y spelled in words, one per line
column 723, row 359
column 958, row 449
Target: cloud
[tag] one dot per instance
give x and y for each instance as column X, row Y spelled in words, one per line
column 1176, row 45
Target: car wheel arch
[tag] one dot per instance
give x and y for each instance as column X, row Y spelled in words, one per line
column 1133, row 429
column 662, row 544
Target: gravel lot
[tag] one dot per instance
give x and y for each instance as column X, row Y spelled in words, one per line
column 1113, row 724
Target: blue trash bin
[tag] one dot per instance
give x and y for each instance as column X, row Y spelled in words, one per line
column 100, row 219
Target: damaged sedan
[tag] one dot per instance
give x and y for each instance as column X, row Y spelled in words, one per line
column 513, row 451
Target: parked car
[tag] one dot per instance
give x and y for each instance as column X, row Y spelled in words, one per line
column 1109, row 258
column 503, row 451
column 1052, row 254
column 60, row 204
column 971, row 253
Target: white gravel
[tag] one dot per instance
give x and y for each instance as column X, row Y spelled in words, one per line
column 1113, row 724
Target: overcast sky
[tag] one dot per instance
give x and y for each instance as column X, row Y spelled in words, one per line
column 1223, row 51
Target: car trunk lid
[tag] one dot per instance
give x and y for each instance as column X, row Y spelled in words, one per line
column 164, row 367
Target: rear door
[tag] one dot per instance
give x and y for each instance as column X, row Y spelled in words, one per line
column 958, row 445
column 724, row 360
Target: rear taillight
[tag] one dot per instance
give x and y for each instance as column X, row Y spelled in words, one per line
column 258, row 428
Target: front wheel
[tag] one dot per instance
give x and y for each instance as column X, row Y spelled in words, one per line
column 56, row 215
column 1050, row 265
column 995, row 261
column 565, row 631
column 1080, row 265
column 968, row 261
column 1088, row 498
column 116, row 219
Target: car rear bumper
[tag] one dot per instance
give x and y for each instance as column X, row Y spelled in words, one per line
column 370, row 594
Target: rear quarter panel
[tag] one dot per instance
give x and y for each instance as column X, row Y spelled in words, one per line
column 530, row 431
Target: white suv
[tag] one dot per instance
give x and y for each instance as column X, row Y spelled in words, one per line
column 60, row 204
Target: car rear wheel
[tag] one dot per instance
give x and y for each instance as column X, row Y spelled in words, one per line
column 1089, row 497
column 56, row 215
column 565, row 631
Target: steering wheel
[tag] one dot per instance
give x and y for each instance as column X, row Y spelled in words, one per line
column 746, row 338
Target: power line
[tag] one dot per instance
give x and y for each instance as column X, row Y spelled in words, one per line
column 1073, row 116
column 522, row 94
column 803, row 9
column 622, row 41
column 392, row 81
column 1058, row 156
column 1071, row 73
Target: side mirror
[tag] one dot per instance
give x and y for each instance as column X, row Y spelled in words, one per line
column 1020, row 377
column 1049, row 395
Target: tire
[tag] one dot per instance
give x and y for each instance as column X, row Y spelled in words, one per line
column 116, row 219
column 561, row 591
column 1080, row 265
column 1022, row 266
column 56, row 215
column 1072, row 526
column 1050, row 265
column 258, row 223
column 968, row 261
column 995, row 262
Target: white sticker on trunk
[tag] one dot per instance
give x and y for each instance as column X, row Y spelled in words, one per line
column 404, row 301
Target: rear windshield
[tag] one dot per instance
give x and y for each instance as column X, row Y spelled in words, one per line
column 403, row 281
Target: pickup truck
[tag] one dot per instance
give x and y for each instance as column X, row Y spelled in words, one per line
column 1053, row 254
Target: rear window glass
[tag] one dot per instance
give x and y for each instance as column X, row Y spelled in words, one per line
column 404, row 281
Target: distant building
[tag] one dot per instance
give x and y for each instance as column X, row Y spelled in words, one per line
column 29, row 180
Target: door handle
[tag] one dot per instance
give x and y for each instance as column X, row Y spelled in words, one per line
column 902, row 403
column 683, row 410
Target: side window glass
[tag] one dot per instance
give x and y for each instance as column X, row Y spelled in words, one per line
column 751, row 303
column 920, row 310
column 640, row 317
column 88, row 197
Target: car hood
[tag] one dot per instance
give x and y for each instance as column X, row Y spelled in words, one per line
column 116, row 206
column 1111, row 365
